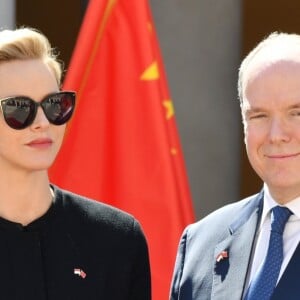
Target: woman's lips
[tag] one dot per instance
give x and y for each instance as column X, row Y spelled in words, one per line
column 40, row 143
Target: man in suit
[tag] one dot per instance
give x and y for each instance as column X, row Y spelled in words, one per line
column 233, row 253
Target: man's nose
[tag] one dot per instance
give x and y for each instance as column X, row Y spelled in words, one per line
column 278, row 131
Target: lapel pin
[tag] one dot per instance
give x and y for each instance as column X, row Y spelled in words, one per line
column 222, row 255
column 80, row 273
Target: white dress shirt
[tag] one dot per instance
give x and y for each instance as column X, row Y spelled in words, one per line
column 291, row 235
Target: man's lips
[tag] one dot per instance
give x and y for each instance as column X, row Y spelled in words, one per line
column 282, row 156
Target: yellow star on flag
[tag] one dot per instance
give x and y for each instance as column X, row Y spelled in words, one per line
column 168, row 104
column 151, row 73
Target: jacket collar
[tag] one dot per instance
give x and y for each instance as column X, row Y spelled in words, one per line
column 254, row 205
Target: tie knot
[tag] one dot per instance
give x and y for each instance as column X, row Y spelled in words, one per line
column 280, row 215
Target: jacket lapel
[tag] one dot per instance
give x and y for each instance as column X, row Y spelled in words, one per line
column 233, row 253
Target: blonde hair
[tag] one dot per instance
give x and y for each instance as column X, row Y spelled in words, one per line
column 29, row 43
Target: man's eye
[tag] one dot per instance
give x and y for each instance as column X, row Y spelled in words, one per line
column 257, row 116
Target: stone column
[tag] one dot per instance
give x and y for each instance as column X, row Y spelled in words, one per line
column 200, row 43
column 7, row 14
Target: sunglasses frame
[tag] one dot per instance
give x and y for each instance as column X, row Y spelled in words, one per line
column 32, row 114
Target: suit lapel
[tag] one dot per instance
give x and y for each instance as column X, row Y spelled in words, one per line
column 230, row 272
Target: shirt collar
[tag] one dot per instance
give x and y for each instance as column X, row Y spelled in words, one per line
column 269, row 203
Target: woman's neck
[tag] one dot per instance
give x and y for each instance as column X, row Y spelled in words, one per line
column 24, row 197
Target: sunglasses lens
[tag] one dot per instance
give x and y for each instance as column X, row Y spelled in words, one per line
column 18, row 112
column 59, row 107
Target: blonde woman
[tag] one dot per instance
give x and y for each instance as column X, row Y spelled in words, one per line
column 54, row 244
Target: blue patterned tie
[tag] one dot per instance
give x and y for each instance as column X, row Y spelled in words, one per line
column 264, row 283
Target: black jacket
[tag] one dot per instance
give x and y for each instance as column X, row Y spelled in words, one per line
column 80, row 249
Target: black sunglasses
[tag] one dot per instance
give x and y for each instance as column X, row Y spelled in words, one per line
column 19, row 112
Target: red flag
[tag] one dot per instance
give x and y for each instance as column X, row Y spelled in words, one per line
column 122, row 147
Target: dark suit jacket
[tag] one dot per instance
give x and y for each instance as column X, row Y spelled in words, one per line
column 198, row 275
column 80, row 249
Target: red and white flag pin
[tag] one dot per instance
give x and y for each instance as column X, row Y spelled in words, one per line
column 80, row 273
column 222, row 255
